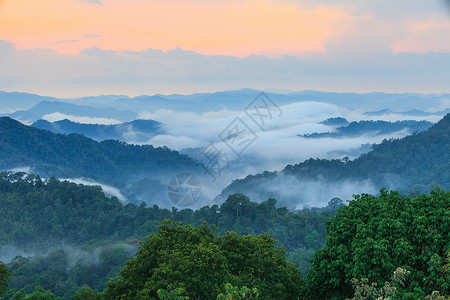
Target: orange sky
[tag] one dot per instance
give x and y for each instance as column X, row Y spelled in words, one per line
column 229, row 27
column 212, row 27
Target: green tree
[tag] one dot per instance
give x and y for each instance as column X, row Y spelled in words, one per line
column 365, row 291
column 175, row 294
column 371, row 236
column 38, row 294
column 235, row 293
column 87, row 293
column 201, row 262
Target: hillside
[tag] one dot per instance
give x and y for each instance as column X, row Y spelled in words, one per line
column 45, row 107
column 355, row 129
column 74, row 155
column 414, row 163
column 138, row 131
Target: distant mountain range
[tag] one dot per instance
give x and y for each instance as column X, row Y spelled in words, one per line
column 46, row 108
column 10, row 102
column 125, row 109
column 413, row 112
column 138, row 131
column 417, row 162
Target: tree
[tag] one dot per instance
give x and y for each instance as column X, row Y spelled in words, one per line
column 4, row 273
column 87, row 293
column 366, row 291
column 235, row 293
column 199, row 261
column 38, row 294
column 371, row 236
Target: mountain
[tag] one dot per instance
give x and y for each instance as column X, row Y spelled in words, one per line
column 416, row 162
column 239, row 99
column 138, row 131
column 355, row 129
column 12, row 101
column 199, row 103
column 46, row 108
column 373, row 103
column 412, row 113
column 111, row 162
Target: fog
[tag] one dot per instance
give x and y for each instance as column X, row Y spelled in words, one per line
column 80, row 255
column 57, row 116
column 107, row 189
column 295, row 193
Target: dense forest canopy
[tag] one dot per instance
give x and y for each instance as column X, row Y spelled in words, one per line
column 392, row 229
column 139, row 172
column 75, row 154
column 59, row 220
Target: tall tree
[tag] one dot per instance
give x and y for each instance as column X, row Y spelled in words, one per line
column 372, row 236
column 201, row 262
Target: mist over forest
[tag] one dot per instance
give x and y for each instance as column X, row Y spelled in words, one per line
column 83, row 186
column 224, row 150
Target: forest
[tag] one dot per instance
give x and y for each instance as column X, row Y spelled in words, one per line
column 73, row 155
column 140, row 130
column 85, row 246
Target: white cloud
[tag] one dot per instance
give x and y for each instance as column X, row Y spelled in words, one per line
column 152, row 71
column 107, row 189
column 53, row 117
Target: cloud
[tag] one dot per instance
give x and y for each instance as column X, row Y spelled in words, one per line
column 107, row 189
column 275, row 146
column 424, row 36
column 67, row 41
column 93, row 36
column 53, row 117
column 292, row 192
column 98, row 71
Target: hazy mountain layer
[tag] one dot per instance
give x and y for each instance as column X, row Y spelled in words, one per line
column 138, row 131
column 414, row 163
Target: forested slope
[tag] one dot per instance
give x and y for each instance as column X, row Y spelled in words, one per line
column 76, row 155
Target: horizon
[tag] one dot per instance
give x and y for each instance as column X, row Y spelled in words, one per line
column 268, row 90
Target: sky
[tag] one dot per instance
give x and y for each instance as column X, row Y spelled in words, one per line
column 73, row 48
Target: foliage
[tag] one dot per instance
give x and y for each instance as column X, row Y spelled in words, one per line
column 446, row 267
column 373, row 235
column 234, row 293
column 86, row 293
column 4, row 273
column 436, row 296
column 75, row 155
column 65, row 271
column 201, row 262
column 365, row 291
column 38, row 294
column 174, row 294
column 38, row 215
